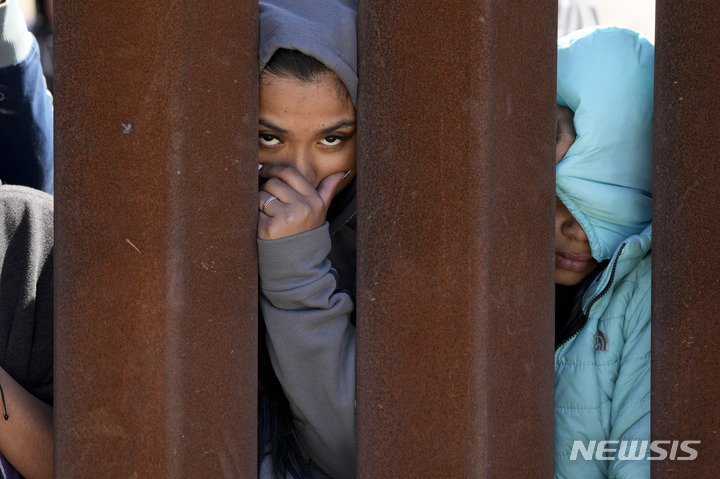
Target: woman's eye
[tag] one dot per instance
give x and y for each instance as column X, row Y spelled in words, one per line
column 333, row 140
column 267, row 139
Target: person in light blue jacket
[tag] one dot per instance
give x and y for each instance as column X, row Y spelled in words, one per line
column 603, row 256
column 26, row 113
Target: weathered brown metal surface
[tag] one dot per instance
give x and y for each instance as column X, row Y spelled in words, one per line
column 156, row 305
column 456, row 194
column 686, row 284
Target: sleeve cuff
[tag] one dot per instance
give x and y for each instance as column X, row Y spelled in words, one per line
column 15, row 39
column 289, row 262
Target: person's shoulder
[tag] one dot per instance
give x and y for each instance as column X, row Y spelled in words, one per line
column 634, row 259
column 640, row 268
column 632, row 296
column 16, row 194
column 623, row 289
column 18, row 203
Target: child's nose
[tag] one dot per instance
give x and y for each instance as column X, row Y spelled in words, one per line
column 573, row 229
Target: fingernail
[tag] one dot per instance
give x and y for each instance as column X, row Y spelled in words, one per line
column 346, row 174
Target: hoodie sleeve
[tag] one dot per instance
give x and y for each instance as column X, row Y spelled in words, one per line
column 631, row 395
column 311, row 342
column 26, row 115
column 26, row 292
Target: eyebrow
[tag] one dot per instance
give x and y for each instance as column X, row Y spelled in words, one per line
column 337, row 126
column 330, row 129
column 267, row 124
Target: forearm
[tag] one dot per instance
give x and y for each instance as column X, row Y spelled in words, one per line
column 26, row 437
column 315, row 364
column 311, row 342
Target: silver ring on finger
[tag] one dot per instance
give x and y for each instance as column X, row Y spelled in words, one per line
column 267, row 202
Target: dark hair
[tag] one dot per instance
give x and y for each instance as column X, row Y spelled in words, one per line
column 277, row 426
column 294, row 64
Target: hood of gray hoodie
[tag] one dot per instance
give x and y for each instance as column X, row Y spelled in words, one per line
column 323, row 29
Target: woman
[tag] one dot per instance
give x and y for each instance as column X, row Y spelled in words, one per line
column 306, row 236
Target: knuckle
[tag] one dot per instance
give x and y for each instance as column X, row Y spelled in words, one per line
column 299, row 214
column 306, row 210
column 316, row 202
column 291, row 216
column 271, row 182
column 263, row 229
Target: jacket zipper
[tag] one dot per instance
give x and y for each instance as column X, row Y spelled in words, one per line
column 585, row 315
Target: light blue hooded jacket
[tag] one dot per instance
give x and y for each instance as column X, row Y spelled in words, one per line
column 602, row 373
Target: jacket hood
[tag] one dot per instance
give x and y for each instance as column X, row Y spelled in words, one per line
column 605, row 75
column 323, row 29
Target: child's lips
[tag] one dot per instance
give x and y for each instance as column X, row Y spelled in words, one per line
column 573, row 262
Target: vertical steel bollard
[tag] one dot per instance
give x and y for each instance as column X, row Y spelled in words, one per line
column 455, row 244
column 156, row 276
column 685, row 372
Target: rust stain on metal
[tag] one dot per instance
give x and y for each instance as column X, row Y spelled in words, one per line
column 686, row 287
column 455, row 210
column 155, row 358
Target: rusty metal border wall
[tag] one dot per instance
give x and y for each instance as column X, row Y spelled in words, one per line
column 156, row 276
column 686, row 294
column 455, row 214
